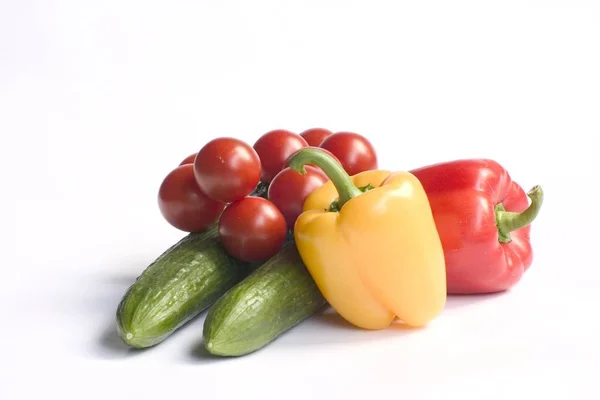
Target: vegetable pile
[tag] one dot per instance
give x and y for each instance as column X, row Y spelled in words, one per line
column 295, row 222
column 226, row 181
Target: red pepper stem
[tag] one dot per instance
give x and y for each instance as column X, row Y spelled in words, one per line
column 332, row 168
column 507, row 221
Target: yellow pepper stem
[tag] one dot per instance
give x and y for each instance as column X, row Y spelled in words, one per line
column 332, row 168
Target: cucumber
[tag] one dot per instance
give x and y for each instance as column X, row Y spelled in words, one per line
column 275, row 297
column 181, row 283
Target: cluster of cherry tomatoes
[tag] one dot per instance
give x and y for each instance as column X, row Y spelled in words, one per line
column 249, row 190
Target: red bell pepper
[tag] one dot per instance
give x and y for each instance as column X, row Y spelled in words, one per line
column 483, row 218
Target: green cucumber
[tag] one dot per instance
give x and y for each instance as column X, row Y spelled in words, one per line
column 274, row 298
column 181, row 283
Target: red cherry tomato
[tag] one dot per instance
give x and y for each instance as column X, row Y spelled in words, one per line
column 183, row 204
column 252, row 229
column 189, row 159
column 315, row 136
column 289, row 189
column 227, row 169
column 354, row 151
column 274, row 148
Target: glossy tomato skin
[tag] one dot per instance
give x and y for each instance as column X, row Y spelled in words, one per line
column 315, row 136
column 183, row 204
column 252, row 229
column 227, row 169
column 274, row 148
column 189, row 159
column 289, row 189
column 354, row 151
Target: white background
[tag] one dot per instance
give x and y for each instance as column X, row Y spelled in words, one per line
column 99, row 100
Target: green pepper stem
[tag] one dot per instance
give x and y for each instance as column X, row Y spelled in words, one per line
column 332, row 168
column 507, row 221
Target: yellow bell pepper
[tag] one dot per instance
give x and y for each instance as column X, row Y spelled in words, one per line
column 374, row 253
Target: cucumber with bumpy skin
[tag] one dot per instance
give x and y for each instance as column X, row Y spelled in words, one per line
column 274, row 298
column 181, row 283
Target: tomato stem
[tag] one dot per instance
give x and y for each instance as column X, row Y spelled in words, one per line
column 260, row 190
column 508, row 222
column 332, row 168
